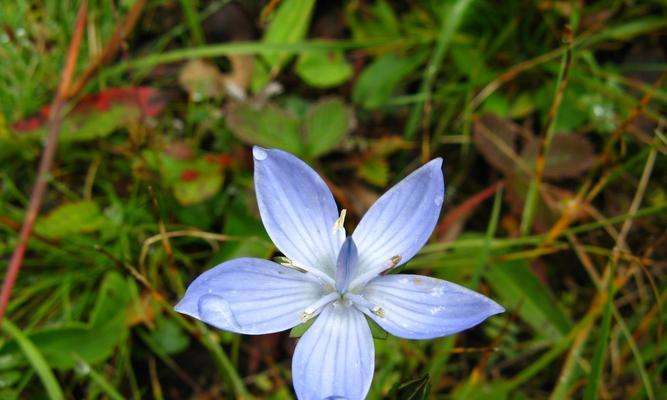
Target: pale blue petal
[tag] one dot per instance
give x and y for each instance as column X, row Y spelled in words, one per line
column 297, row 209
column 250, row 296
column 420, row 307
column 335, row 357
column 346, row 265
column 400, row 222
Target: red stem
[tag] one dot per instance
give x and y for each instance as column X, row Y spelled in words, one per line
column 39, row 188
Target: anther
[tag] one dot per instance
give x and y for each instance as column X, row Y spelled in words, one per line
column 379, row 311
column 363, row 303
column 287, row 263
column 312, row 309
column 393, row 262
column 340, row 222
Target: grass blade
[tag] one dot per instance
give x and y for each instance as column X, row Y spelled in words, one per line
column 450, row 24
column 36, row 359
column 598, row 356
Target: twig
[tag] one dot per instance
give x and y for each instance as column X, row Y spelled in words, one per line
column 39, row 188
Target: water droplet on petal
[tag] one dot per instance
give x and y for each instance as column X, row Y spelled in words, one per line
column 259, row 154
column 216, row 311
column 438, row 200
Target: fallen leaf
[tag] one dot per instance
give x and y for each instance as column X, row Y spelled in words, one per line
column 569, row 156
column 495, row 138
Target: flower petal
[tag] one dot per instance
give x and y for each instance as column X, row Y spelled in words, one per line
column 251, row 296
column 420, row 307
column 335, row 357
column 297, row 209
column 401, row 221
column 346, row 265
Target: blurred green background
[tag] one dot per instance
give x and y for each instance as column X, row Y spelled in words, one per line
column 549, row 115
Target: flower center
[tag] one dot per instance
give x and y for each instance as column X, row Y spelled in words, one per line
column 347, row 299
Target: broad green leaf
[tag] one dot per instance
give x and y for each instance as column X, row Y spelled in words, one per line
column 323, row 69
column 289, row 25
column 202, row 187
column 380, row 79
column 71, row 218
column 98, row 115
column 92, row 124
column 375, row 171
column 521, row 291
column 97, row 124
column 169, row 336
column 326, row 124
column 267, row 126
column 378, row 21
column 192, row 180
column 239, row 222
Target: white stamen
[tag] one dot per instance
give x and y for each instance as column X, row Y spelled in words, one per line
column 297, row 266
column 365, row 304
column 287, row 263
column 312, row 309
column 385, row 267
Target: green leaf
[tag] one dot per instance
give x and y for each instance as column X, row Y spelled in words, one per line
column 240, row 222
column 169, row 336
column 326, row 124
column 36, row 359
column 376, row 330
column 192, row 180
column 377, row 21
column 268, row 126
column 289, row 25
column 72, row 218
column 375, row 171
column 323, row 69
column 380, row 80
column 522, row 292
column 99, row 124
column 300, row 329
column 202, row 187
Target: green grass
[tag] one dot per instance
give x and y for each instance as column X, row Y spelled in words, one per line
column 144, row 196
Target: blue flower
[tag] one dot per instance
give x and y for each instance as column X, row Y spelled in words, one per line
column 337, row 278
